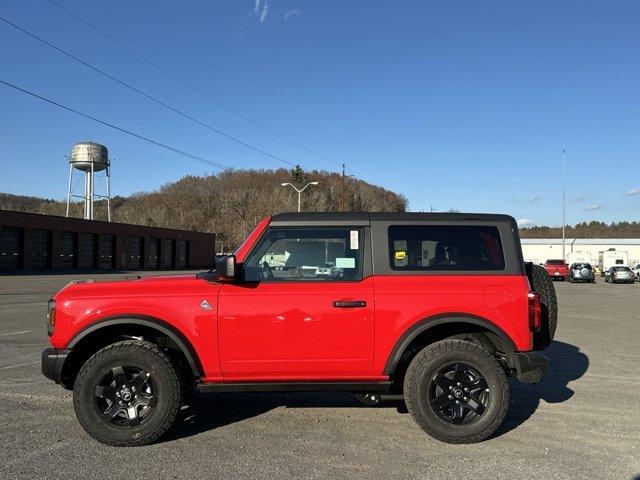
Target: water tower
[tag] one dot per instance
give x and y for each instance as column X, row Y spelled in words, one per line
column 92, row 159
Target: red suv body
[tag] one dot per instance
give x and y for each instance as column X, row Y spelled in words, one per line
column 557, row 269
column 314, row 302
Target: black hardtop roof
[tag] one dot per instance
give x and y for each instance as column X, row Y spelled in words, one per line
column 360, row 218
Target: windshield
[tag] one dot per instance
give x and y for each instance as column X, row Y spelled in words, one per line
column 555, row 262
column 620, row 269
column 580, row 266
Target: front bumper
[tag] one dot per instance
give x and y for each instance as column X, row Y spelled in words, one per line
column 52, row 363
column 528, row 367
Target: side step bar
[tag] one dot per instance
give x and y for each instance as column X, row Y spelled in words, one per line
column 293, row 387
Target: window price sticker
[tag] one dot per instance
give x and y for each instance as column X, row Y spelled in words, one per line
column 353, row 244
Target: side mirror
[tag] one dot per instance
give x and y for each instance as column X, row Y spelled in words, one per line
column 226, row 268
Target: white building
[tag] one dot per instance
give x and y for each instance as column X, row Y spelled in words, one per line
column 538, row 250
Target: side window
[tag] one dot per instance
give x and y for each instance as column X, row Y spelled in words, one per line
column 445, row 248
column 306, row 254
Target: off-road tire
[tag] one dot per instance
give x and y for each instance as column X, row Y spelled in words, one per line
column 544, row 287
column 427, row 363
column 135, row 353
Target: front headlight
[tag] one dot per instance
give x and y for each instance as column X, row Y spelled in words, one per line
column 51, row 316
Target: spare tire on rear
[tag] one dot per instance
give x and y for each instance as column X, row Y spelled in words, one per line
column 543, row 286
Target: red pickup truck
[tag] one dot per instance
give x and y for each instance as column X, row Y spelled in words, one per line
column 437, row 308
column 557, row 269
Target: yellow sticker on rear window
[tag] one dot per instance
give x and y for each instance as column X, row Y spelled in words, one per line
column 401, row 255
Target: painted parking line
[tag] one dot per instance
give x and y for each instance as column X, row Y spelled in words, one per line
column 19, row 365
column 15, row 333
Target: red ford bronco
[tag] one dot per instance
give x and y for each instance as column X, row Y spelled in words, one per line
column 438, row 308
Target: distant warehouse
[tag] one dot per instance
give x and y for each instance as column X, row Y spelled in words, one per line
column 538, row 250
column 33, row 242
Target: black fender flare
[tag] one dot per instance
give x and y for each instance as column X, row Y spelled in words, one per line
column 430, row 322
column 151, row 322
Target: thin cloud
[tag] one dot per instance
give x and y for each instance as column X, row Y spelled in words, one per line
column 260, row 10
column 592, row 208
column 581, row 198
column 525, row 222
column 533, row 198
column 264, row 13
column 292, row 15
column 634, row 191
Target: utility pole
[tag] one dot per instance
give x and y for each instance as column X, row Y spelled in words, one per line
column 342, row 206
column 564, row 258
column 343, row 196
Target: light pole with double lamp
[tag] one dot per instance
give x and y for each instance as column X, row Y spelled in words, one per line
column 299, row 190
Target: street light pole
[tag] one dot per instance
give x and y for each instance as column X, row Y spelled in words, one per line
column 299, row 190
column 564, row 258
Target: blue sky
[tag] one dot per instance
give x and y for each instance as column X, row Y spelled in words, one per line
column 463, row 105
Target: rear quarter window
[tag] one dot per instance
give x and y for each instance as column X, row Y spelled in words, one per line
column 445, row 248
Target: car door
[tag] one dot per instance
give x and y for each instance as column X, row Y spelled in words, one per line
column 301, row 309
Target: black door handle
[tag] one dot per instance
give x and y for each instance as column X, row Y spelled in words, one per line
column 349, row 303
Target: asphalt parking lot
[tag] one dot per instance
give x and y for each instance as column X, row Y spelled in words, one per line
column 582, row 421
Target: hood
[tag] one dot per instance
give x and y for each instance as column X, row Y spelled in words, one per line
column 131, row 285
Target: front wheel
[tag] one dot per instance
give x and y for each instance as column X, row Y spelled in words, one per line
column 456, row 391
column 127, row 394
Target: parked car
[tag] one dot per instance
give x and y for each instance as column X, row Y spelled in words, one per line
column 557, row 269
column 612, row 258
column 438, row 308
column 619, row 275
column 581, row 272
column 636, row 272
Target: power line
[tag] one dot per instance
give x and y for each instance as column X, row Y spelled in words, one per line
column 120, row 129
column 146, row 95
column 189, row 85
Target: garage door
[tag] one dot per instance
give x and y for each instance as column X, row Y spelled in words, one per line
column 168, row 253
column 11, row 253
column 183, row 253
column 68, row 249
column 87, row 251
column 135, row 252
column 152, row 258
column 40, row 249
column 107, row 255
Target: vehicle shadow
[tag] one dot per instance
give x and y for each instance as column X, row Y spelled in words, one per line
column 566, row 364
column 210, row 411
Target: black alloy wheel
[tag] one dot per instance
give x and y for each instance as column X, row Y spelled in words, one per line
column 459, row 394
column 128, row 394
column 456, row 391
column 125, row 396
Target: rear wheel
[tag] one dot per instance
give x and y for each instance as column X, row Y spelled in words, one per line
column 456, row 391
column 127, row 394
